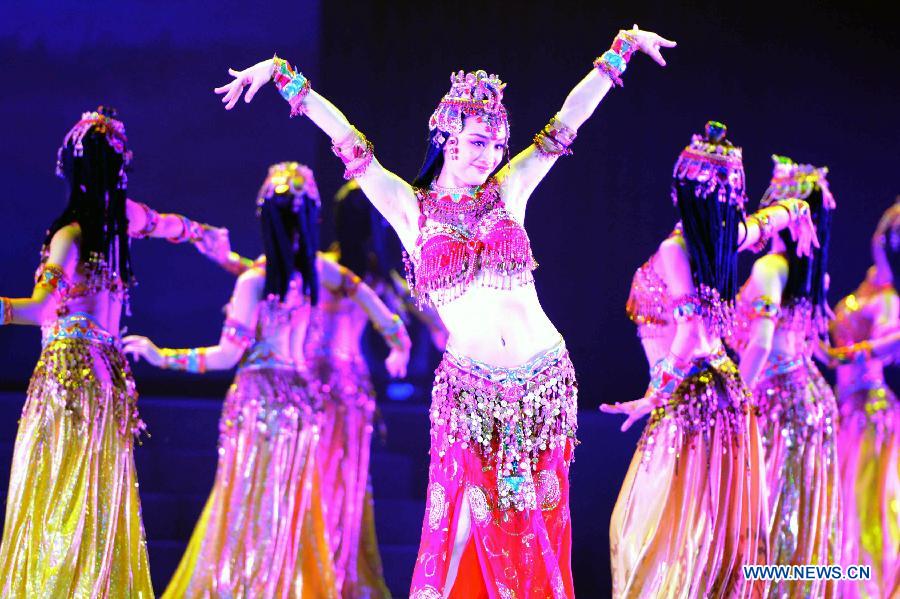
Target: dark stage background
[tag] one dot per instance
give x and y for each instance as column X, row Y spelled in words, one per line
column 812, row 81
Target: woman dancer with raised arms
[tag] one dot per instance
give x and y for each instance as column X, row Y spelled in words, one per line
column 503, row 413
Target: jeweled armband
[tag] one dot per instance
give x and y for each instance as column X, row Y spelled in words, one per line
column 614, row 61
column 686, row 309
column 185, row 360
column 291, row 84
column 355, row 151
column 238, row 333
column 555, row 139
column 764, row 307
column 52, row 277
column 766, row 230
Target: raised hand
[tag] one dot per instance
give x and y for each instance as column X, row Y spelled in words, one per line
column 650, row 43
column 139, row 347
column 802, row 229
column 215, row 244
column 255, row 76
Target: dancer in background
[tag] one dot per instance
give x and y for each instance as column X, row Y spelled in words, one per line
column 782, row 314
column 367, row 245
column 503, row 413
column 336, row 363
column 692, row 510
column 865, row 337
column 262, row 532
column 73, row 518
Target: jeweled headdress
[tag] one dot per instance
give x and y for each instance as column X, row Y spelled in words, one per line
column 102, row 123
column 715, row 163
column 792, row 180
column 471, row 94
column 289, row 179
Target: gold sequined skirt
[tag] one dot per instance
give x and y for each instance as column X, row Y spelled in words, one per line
column 73, row 518
column 262, row 533
column 797, row 422
column 692, row 510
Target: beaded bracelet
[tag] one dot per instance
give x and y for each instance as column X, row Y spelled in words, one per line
column 237, row 264
column 190, row 231
column 291, row 84
column 665, row 377
column 185, row 360
column 766, row 231
column 395, row 334
column 151, row 221
column 6, row 315
column 614, row 61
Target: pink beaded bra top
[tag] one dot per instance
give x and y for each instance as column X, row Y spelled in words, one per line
column 464, row 241
column 649, row 305
column 852, row 324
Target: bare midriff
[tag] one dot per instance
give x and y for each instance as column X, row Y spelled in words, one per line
column 502, row 327
column 104, row 306
column 790, row 343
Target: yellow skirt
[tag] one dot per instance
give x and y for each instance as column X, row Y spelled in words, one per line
column 73, row 518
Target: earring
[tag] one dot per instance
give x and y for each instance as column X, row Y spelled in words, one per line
column 454, row 150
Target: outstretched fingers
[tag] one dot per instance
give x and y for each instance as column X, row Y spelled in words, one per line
column 254, row 87
column 660, row 40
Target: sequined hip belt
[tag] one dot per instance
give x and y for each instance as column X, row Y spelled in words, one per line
column 509, row 416
column 712, row 390
column 516, row 375
column 262, row 355
column 783, row 364
column 320, row 354
column 80, row 326
column 861, row 384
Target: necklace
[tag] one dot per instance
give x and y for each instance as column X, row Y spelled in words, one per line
column 456, row 194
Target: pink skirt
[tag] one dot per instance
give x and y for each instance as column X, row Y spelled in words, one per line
column 497, row 514
column 343, row 461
